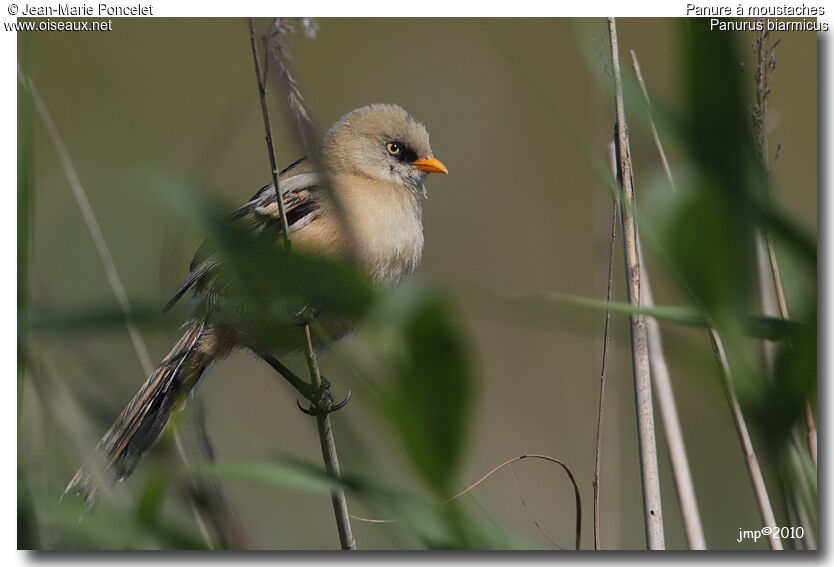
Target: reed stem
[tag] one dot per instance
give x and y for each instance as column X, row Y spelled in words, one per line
column 323, row 401
column 650, row 475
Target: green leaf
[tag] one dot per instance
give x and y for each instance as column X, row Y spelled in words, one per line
column 152, row 498
column 717, row 123
column 437, row 525
column 709, row 248
column 27, row 521
column 794, row 382
column 263, row 286
column 427, row 392
column 95, row 319
column 550, row 305
column 106, row 527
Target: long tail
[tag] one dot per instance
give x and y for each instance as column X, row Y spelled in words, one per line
column 140, row 424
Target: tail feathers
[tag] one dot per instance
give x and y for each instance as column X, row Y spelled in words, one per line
column 140, row 424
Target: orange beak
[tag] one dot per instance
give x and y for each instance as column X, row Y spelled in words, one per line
column 430, row 164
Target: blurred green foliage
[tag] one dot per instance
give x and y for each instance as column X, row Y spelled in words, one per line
column 428, row 388
column 259, row 286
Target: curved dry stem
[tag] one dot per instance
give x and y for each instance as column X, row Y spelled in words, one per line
column 491, row 472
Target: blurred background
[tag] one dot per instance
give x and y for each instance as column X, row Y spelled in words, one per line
column 514, row 107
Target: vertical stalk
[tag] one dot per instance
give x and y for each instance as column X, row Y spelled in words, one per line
column 754, row 470
column 603, row 372
column 771, row 292
column 655, row 136
column 328, row 450
column 285, row 230
column 650, row 475
column 671, row 423
column 661, row 379
column 759, row 487
column 765, row 64
column 328, row 444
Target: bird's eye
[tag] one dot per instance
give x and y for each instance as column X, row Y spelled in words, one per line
column 394, row 148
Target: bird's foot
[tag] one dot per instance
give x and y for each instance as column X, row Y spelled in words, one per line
column 321, row 401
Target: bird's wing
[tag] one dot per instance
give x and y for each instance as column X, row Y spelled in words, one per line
column 301, row 198
column 299, row 193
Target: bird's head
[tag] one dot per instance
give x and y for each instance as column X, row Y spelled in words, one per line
column 383, row 142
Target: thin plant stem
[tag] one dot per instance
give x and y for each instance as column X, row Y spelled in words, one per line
column 328, row 450
column 762, row 497
column 650, row 474
column 671, row 421
column 277, row 54
column 772, row 297
column 801, row 507
column 606, row 336
column 325, row 429
column 523, row 502
column 93, row 227
column 198, row 517
column 762, row 78
column 759, row 487
column 492, row 471
column 655, row 135
column 661, row 379
column 285, row 230
column 765, row 65
column 811, row 432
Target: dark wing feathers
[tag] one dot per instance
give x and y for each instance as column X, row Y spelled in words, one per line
column 202, row 263
column 298, row 183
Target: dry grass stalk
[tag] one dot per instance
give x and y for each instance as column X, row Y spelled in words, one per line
column 765, row 65
column 650, row 475
column 606, row 336
column 662, row 381
column 328, row 444
column 771, row 291
column 328, row 450
column 285, row 230
column 278, row 56
column 671, row 422
column 508, row 463
column 759, row 487
column 655, row 135
column 138, row 342
column 762, row 497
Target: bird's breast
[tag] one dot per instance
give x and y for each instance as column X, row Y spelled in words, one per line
column 385, row 222
column 389, row 233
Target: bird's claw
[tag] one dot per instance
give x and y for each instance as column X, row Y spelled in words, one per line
column 322, row 402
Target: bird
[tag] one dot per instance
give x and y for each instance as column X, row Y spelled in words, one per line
column 375, row 160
